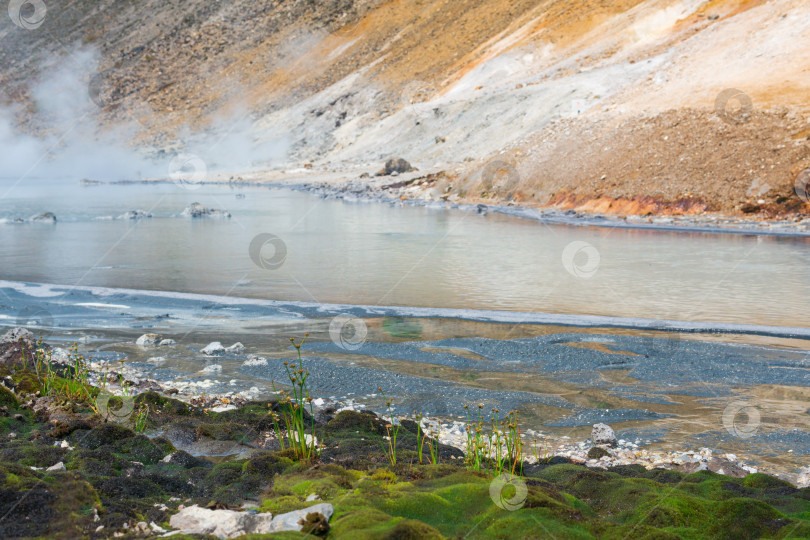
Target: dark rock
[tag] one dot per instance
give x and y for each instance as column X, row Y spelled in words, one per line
column 396, row 165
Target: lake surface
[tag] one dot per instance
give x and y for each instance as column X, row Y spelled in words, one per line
column 378, row 254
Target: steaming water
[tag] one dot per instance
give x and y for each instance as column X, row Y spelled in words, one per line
column 376, row 254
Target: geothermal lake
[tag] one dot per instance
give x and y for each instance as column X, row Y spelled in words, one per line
column 456, row 307
column 376, row 254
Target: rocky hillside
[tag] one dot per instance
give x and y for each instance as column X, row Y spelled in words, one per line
column 622, row 106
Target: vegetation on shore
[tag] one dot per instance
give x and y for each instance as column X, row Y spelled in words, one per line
column 114, row 475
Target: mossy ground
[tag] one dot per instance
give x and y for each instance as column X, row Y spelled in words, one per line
column 124, row 477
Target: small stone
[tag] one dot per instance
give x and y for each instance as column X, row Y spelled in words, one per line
column 167, row 343
column 313, row 497
column 58, row 467
column 18, row 416
column 12, row 435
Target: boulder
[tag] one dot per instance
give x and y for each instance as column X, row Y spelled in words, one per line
column 396, row 165
column 45, row 217
column 603, row 434
column 196, row 210
column 16, row 334
column 148, row 340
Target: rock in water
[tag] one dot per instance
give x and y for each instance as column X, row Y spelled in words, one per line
column 214, row 348
column 135, row 214
column 603, row 434
column 16, row 334
column 148, row 340
column 46, row 217
column 196, row 210
column 236, row 348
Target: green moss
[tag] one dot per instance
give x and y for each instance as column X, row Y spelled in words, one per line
column 763, row 481
column 597, row 452
column 8, row 398
column 745, row 518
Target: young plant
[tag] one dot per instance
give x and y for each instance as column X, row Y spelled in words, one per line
column 141, row 419
column 392, row 429
column 292, row 408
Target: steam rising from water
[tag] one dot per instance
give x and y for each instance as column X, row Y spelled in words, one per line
column 72, row 143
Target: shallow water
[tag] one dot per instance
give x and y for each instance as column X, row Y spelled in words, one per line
column 488, row 310
column 375, row 254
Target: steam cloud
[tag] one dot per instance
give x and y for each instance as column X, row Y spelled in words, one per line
column 75, row 145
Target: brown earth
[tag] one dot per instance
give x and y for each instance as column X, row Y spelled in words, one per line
column 648, row 140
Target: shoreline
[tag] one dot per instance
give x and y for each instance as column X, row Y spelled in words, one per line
column 401, row 190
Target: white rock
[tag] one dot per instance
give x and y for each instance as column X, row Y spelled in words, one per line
column 230, row 523
column 236, row 348
column 213, row 368
column 167, row 343
column 255, row 361
column 214, row 348
column 313, row 497
column 157, row 360
column 16, row 334
column 148, row 340
column 58, row 467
